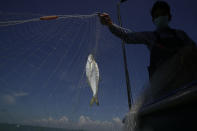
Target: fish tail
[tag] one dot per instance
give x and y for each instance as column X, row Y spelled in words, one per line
column 94, row 99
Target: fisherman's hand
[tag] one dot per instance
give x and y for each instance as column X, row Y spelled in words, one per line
column 105, row 19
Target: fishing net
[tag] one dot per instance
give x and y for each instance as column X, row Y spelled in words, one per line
column 42, row 70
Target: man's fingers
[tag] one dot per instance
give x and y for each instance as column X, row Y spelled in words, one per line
column 104, row 15
column 105, row 19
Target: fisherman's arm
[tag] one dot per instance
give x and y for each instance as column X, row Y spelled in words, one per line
column 125, row 34
column 129, row 36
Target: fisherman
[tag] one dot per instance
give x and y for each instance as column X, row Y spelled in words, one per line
column 163, row 43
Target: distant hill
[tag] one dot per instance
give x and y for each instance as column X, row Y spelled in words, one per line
column 16, row 127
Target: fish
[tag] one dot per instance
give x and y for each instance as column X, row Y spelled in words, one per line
column 92, row 74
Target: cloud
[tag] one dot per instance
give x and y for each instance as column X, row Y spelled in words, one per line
column 50, row 122
column 117, row 120
column 19, row 94
column 8, row 99
column 64, row 119
column 84, row 122
column 11, row 98
column 88, row 124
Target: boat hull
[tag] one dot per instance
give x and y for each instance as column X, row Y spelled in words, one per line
column 173, row 113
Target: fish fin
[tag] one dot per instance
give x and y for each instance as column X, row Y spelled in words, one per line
column 92, row 101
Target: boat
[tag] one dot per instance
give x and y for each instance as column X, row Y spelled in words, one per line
column 176, row 111
column 171, row 104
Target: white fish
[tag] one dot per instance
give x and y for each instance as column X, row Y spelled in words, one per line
column 92, row 73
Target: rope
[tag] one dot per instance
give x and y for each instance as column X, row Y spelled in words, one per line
column 130, row 99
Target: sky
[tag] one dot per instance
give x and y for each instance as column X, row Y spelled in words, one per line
column 42, row 63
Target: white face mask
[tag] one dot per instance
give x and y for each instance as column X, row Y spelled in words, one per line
column 161, row 22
